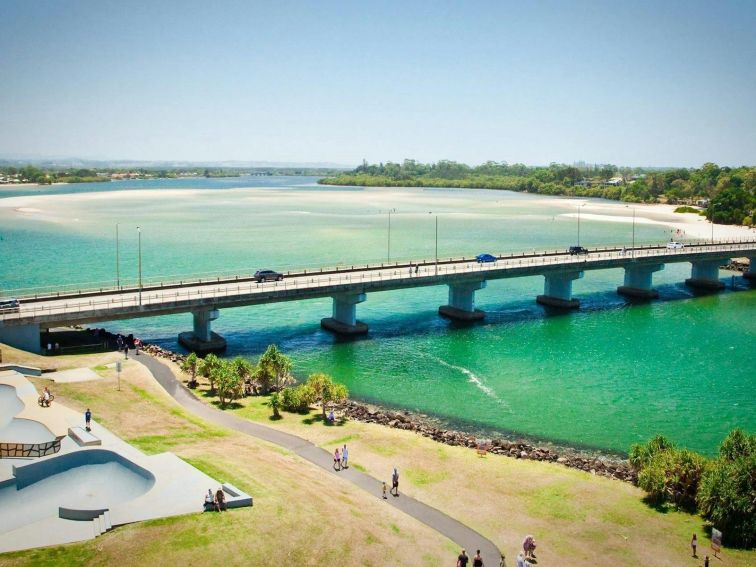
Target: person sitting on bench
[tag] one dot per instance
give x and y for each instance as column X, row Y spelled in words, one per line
column 220, row 500
column 209, row 500
column 46, row 398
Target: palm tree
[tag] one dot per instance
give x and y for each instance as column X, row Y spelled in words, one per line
column 210, row 363
column 191, row 365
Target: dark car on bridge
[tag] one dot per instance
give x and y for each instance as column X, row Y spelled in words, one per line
column 9, row 305
column 485, row 258
column 267, row 276
column 577, row 250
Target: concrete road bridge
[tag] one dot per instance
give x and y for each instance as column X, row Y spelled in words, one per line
column 348, row 286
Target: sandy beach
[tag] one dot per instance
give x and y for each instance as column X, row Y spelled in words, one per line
column 57, row 207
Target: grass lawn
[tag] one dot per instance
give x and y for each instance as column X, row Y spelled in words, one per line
column 301, row 516
column 577, row 518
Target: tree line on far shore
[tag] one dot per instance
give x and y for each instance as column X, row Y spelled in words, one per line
column 730, row 192
column 722, row 490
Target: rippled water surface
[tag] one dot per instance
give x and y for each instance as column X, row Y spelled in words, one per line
column 606, row 376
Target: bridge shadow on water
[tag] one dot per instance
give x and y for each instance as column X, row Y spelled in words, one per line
column 428, row 323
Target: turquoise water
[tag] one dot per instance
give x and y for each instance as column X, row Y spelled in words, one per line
column 604, row 377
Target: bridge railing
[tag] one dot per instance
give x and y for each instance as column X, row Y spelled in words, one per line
column 171, row 281
column 428, row 274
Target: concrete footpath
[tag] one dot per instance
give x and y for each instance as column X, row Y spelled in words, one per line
column 464, row 536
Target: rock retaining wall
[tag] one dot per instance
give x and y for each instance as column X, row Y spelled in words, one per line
column 603, row 466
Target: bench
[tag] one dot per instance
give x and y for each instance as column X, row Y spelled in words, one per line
column 83, row 437
column 482, row 450
column 235, row 498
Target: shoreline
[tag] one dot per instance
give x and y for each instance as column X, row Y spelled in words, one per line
column 596, row 464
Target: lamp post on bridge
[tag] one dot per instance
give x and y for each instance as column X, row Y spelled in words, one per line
column 118, row 262
column 139, row 232
column 578, row 227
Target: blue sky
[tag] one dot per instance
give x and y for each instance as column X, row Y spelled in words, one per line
column 638, row 83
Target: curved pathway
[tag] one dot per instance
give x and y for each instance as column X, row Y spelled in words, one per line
column 456, row 531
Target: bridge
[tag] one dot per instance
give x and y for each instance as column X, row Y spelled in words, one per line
column 348, row 286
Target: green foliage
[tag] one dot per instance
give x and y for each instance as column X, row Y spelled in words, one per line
column 273, row 370
column 228, row 383
column 325, row 390
column 727, row 497
column 191, row 365
column 736, row 186
column 297, row 399
column 206, row 367
column 275, row 404
column 687, row 209
column 641, row 454
column 724, row 490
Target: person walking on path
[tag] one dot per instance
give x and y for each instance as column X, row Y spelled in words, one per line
column 126, row 350
column 477, row 559
column 88, row 419
column 137, row 344
column 336, row 460
column 384, row 490
column 344, row 457
column 395, row 483
column 462, row 559
column 694, row 544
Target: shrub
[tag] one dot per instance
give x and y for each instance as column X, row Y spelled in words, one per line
column 296, row 399
column 727, row 495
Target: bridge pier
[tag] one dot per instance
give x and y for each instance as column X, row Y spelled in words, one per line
column 705, row 275
column 638, row 281
column 461, row 305
column 344, row 320
column 751, row 273
column 202, row 339
column 557, row 290
column 23, row 337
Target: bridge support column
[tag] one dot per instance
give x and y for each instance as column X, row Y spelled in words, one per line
column 638, row 281
column 202, row 339
column 462, row 302
column 557, row 290
column 344, row 320
column 751, row 273
column 24, row 337
column 705, row 275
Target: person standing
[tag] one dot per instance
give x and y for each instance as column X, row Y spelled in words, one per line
column 462, row 559
column 417, row 268
column 344, row 457
column 694, row 545
column 477, row 559
column 88, row 419
column 137, row 344
column 395, row 483
column 336, row 460
column 384, row 490
column 126, row 350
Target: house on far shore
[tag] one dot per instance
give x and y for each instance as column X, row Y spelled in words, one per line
column 702, row 203
column 614, row 181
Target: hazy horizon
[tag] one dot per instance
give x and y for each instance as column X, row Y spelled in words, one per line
column 642, row 84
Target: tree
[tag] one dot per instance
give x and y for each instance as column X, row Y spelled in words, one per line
column 243, row 368
column 727, row 496
column 325, row 390
column 275, row 404
column 190, row 365
column 273, row 370
column 227, row 382
column 208, row 364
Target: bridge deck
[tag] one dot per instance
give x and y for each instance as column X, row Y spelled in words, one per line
column 91, row 306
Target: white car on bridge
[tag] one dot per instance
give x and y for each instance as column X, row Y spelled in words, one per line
column 672, row 245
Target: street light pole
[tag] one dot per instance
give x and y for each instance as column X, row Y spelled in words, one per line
column 139, row 231
column 118, row 262
column 436, row 244
column 633, row 232
column 388, row 261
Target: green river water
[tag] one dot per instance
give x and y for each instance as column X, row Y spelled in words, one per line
column 608, row 375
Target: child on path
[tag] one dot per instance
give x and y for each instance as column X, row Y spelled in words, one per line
column 88, row 419
column 336, row 460
column 344, row 457
column 384, row 490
